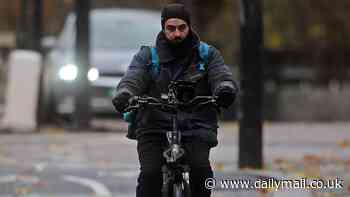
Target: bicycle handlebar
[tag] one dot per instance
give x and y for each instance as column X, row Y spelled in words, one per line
column 138, row 101
column 202, row 100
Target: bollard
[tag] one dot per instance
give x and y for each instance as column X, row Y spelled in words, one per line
column 22, row 91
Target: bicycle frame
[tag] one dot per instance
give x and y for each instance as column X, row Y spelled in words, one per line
column 174, row 173
column 176, row 178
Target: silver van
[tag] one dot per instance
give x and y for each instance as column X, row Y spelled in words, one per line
column 115, row 36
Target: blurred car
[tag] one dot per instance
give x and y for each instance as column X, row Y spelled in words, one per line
column 115, row 36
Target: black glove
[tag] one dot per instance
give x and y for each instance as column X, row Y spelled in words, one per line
column 121, row 101
column 226, row 96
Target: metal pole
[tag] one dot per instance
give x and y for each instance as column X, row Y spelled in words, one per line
column 37, row 24
column 22, row 27
column 37, row 32
column 250, row 131
column 82, row 114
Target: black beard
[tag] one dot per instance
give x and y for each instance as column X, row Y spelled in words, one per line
column 177, row 41
column 169, row 51
column 181, row 48
column 180, row 43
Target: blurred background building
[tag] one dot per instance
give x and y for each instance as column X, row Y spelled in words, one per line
column 306, row 69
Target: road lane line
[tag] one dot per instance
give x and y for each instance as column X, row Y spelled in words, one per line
column 8, row 179
column 22, row 178
column 126, row 174
column 99, row 189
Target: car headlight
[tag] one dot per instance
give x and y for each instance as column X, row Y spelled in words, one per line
column 93, row 74
column 68, row 72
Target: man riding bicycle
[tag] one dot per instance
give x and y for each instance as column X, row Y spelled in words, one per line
column 178, row 55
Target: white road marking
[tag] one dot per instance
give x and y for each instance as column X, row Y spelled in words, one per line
column 8, row 179
column 14, row 178
column 40, row 166
column 126, row 173
column 99, row 189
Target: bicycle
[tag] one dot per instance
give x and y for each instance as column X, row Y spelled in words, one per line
column 176, row 179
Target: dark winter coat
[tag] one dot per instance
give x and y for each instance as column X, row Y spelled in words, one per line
column 177, row 65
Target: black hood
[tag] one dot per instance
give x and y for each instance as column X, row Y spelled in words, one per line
column 169, row 52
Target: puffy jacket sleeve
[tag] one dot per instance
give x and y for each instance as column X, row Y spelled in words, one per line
column 219, row 74
column 137, row 78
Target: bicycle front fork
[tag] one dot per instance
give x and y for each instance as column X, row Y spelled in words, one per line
column 171, row 176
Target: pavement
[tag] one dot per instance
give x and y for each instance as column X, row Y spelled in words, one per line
column 102, row 162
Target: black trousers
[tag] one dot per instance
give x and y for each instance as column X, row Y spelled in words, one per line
column 150, row 148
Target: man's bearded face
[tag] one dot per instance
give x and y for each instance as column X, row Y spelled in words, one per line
column 176, row 30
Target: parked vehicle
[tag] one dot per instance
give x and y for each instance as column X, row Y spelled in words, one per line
column 115, row 36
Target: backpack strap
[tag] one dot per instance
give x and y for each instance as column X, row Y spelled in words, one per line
column 204, row 55
column 203, row 50
column 155, row 67
column 127, row 117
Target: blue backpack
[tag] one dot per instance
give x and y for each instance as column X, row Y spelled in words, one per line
column 203, row 50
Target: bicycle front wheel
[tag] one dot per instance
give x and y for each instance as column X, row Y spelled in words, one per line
column 178, row 190
column 181, row 190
